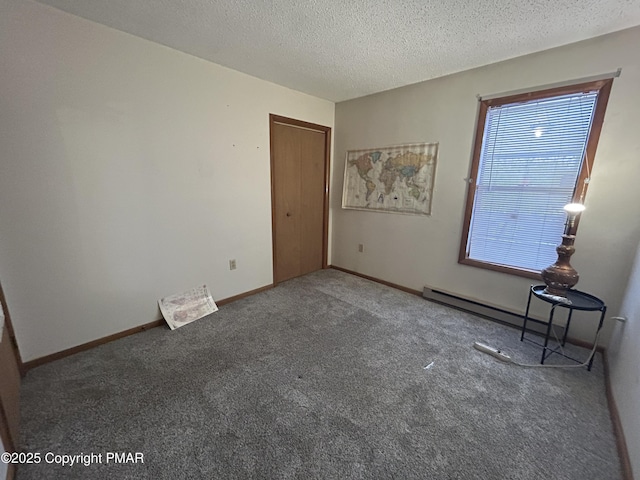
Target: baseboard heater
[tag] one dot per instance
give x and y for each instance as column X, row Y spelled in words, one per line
column 491, row 312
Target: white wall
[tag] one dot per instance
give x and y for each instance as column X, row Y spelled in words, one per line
column 624, row 357
column 413, row 251
column 129, row 171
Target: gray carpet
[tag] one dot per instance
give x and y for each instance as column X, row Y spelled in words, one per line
column 321, row 377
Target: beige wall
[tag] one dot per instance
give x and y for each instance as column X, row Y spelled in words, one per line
column 130, row 171
column 414, row 251
column 624, row 356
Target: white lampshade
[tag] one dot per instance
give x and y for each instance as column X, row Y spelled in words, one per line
column 574, row 208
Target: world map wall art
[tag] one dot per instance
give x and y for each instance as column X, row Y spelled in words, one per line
column 395, row 179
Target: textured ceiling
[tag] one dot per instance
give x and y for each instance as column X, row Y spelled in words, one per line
column 342, row 49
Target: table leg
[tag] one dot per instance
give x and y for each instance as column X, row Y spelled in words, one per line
column 566, row 329
column 546, row 337
column 604, row 312
column 526, row 317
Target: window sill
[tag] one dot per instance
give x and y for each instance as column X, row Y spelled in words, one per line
column 520, row 272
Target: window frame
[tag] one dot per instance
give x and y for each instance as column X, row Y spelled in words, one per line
column 604, row 88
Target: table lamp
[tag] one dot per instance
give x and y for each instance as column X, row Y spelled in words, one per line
column 561, row 276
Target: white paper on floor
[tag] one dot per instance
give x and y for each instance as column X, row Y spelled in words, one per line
column 187, row 307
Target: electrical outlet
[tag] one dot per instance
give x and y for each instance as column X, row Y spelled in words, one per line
column 360, row 247
column 232, row 264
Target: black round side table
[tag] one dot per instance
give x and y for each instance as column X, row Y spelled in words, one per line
column 575, row 300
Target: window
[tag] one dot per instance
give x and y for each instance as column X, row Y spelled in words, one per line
column 533, row 154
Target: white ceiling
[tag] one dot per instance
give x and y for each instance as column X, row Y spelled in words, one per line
column 342, row 49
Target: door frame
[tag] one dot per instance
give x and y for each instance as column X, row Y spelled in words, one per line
column 278, row 119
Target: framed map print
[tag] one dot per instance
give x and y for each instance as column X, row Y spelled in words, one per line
column 395, row 179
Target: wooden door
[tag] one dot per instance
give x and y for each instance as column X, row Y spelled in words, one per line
column 11, row 368
column 9, row 394
column 299, row 190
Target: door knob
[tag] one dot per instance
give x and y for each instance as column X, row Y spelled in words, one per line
column 288, row 214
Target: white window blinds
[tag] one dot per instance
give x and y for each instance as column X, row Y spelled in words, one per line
column 529, row 164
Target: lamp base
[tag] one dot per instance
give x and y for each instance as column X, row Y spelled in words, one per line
column 561, row 276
